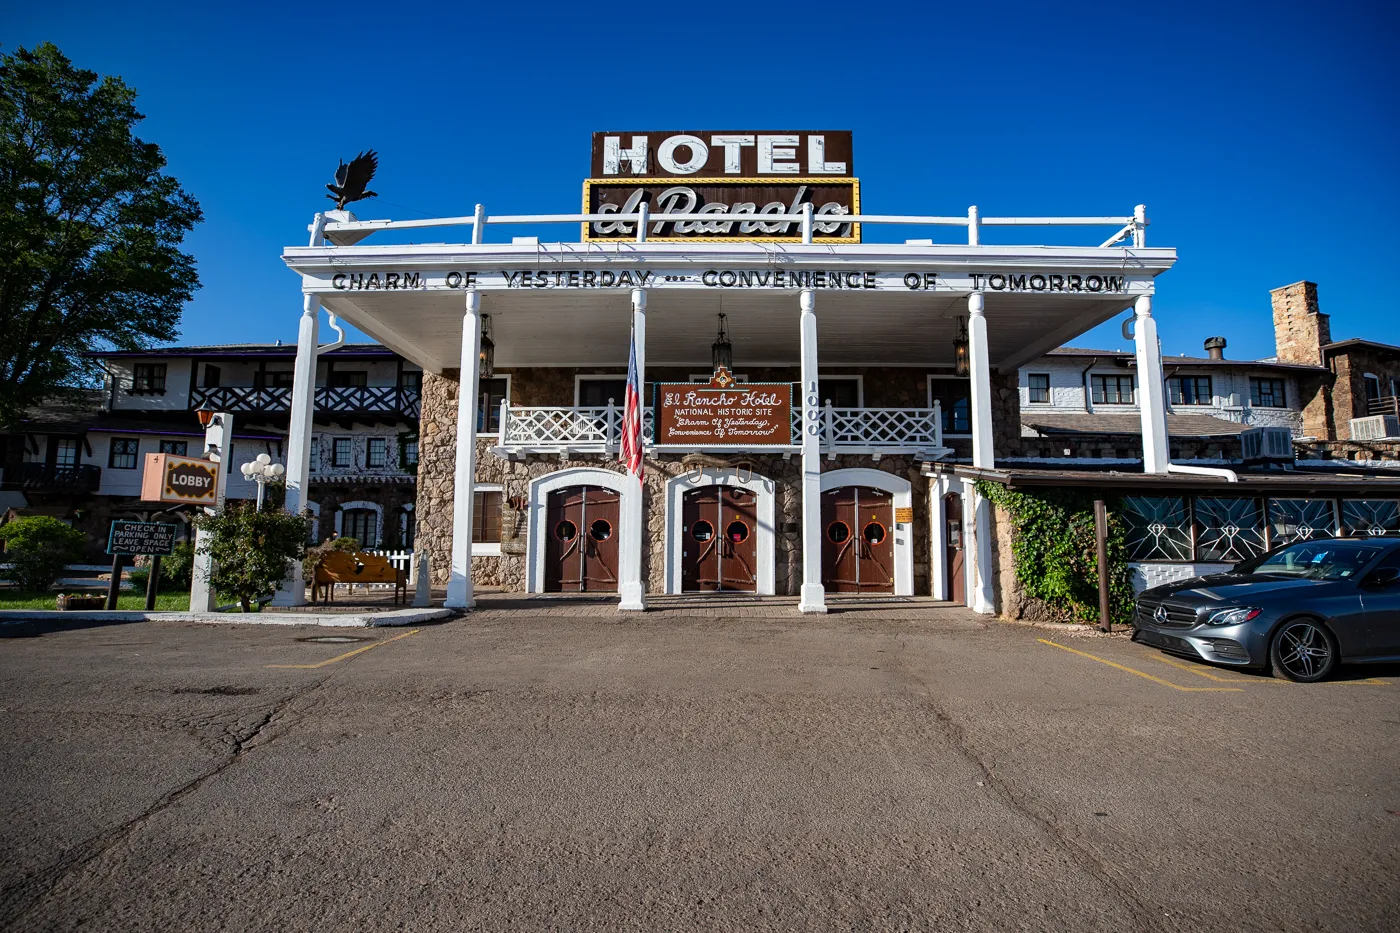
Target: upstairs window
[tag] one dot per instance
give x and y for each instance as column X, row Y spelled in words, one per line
column 413, row 380
column 1112, row 390
column 1266, row 393
column 953, row 394
column 377, row 451
column 341, row 452
column 1189, row 390
column 211, row 376
column 179, row 448
column 279, row 380
column 1038, row 385
column 123, row 453
column 408, row 451
column 840, row 391
column 66, row 453
column 148, row 379
column 596, row 392
column 490, row 394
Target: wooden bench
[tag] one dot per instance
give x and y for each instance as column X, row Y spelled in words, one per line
column 349, row 569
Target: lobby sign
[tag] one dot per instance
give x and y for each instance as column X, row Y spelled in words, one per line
column 724, row 413
column 169, row 478
column 131, row 538
column 736, row 175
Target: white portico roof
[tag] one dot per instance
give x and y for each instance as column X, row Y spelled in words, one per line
column 568, row 304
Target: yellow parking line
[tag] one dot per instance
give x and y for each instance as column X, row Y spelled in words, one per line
column 349, row 654
column 1142, row 674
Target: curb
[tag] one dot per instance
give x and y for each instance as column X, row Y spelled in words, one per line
column 367, row 619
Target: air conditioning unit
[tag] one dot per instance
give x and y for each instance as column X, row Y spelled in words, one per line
column 1375, row 428
column 1267, row 445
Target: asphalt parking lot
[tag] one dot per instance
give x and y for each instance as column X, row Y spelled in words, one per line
column 547, row 765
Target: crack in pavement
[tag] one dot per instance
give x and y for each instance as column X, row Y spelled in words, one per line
column 19, row 899
column 1021, row 804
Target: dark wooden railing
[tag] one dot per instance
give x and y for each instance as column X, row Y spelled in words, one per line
column 385, row 400
column 44, row 476
column 1385, row 405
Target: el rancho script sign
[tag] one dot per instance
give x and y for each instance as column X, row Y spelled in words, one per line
column 168, row 478
column 736, row 175
column 724, row 413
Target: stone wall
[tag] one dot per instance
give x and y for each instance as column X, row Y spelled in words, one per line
column 1380, row 452
column 1350, row 366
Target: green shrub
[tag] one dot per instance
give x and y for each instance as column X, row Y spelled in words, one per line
column 253, row 551
column 176, row 571
column 37, row 548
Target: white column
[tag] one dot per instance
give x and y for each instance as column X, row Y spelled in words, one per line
column 813, row 598
column 980, row 597
column 631, row 588
column 1152, row 396
column 303, row 413
column 459, row 583
column 218, row 439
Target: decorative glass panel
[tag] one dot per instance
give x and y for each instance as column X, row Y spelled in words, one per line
column 1293, row 520
column 1229, row 530
column 1370, row 516
column 1158, row 528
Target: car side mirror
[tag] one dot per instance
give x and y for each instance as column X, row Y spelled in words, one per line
column 1385, row 576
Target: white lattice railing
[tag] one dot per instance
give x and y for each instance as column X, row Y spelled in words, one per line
column 907, row 429
column 598, row 430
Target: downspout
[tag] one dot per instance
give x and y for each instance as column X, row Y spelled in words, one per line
column 1084, row 382
column 1230, row 476
column 339, row 339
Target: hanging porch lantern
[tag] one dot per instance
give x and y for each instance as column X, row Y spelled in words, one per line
column 487, row 369
column 722, row 351
column 961, row 364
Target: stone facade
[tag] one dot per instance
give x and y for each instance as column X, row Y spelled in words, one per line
column 437, row 456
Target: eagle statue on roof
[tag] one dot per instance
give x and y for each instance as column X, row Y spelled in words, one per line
column 350, row 180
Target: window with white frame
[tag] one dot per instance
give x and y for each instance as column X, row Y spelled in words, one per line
column 1373, row 386
column 490, row 394
column 486, row 518
column 1112, row 390
column 377, row 452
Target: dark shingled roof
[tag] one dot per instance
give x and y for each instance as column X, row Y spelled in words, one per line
column 1070, row 423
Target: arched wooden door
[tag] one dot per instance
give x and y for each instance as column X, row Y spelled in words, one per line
column 581, row 540
column 719, row 543
column 858, row 540
column 953, row 549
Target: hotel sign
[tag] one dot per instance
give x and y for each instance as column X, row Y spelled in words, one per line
column 724, row 413
column 168, row 478
column 738, row 176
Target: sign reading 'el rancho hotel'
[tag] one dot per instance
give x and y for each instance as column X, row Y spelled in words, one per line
column 738, row 176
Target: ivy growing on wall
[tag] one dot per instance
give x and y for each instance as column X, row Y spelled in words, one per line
column 1056, row 555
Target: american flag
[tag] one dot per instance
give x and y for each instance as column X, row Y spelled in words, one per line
column 632, row 414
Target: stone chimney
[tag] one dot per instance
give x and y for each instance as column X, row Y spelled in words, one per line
column 1215, row 348
column 1300, row 329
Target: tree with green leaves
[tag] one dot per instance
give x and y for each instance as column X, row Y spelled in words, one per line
column 90, row 228
column 37, row 548
column 253, row 551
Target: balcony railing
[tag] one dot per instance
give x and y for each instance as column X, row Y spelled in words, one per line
column 383, row 400
column 1385, row 405
column 39, row 477
column 875, row 431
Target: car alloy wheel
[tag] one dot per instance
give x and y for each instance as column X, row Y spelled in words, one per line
column 1303, row 651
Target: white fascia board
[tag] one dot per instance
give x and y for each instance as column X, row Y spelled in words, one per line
column 1129, row 261
column 376, row 329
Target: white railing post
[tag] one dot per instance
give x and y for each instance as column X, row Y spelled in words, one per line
column 505, row 417
column 642, row 217
column 974, row 235
column 807, row 222
column 829, row 426
column 1140, row 225
column 938, row 422
column 478, row 224
column 609, row 437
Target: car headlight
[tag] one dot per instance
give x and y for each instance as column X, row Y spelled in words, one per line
column 1232, row 616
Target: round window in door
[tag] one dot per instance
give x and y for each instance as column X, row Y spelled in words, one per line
column 600, row 530
column 874, row 532
column 838, row 532
column 702, row 530
column 736, row 531
column 566, row 530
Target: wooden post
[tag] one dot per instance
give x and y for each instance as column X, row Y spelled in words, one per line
column 115, row 586
column 152, row 583
column 1101, row 541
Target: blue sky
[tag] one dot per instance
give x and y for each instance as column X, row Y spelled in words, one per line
column 1262, row 137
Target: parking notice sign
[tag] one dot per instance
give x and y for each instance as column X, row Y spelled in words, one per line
column 141, row 538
